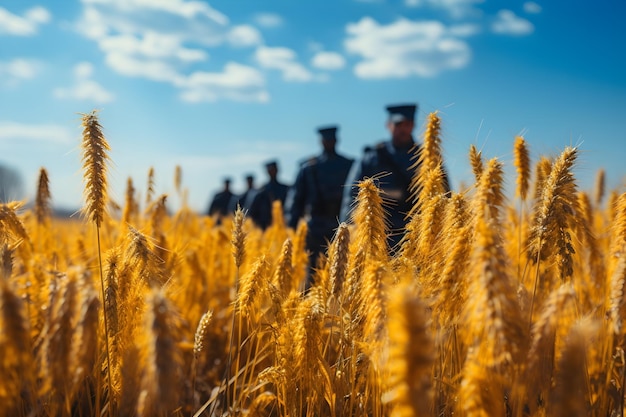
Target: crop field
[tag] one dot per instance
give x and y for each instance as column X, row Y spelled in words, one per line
column 490, row 306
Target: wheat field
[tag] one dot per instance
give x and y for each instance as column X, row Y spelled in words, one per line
column 491, row 306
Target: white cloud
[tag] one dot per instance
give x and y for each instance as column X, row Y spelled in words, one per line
column 10, row 131
column 151, row 44
column 244, row 35
column 456, row 8
column 328, row 60
column 268, row 20
column 152, row 69
column 27, row 25
column 236, row 82
column 284, row 60
column 158, row 40
column 507, row 23
column 404, row 48
column 17, row 70
column 83, row 70
column 186, row 9
column 84, row 87
column 464, row 30
column 532, row 7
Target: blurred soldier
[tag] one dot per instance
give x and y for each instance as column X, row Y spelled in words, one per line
column 261, row 207
column 316, row 194
column 243, row 200
column 220, row 204
column 390, row 161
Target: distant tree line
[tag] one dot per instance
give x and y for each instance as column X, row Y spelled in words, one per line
column 11, row 184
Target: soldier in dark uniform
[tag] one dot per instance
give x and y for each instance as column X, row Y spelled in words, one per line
column 221, row 200
column 244, row 199
column 261, row 207
column 316, row 194
column 390, row 162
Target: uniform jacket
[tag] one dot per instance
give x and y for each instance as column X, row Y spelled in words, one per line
column 261, row 207
column 220, row 203
column 318, row 189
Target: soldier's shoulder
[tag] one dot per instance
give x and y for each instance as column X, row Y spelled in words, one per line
column 344, row 158
column 375, row 147
column 310, row 161
column 373, row 152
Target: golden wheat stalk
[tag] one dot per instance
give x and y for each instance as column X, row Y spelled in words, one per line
column 522, row 164
column 150, row 186
column 283, row 275
column 449, row 287
column 370, row 220
column 163, row 358
column 238, row 238
column 16, row 362
column 476, row 162
column 130, row 205
column 428, row 180
column 411, row 355
column 618, row 230
column 555, row 215
column 570, row 397
column 542, row 352
column 178, row 178
column 339, row 252
column 95, row 158
column 599, row 187
column 95, row 161
column 6, row 262
column 42, row 200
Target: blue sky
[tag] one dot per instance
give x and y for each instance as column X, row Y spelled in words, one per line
column 220, row 87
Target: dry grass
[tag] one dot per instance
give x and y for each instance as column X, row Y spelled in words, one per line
column 489, row 307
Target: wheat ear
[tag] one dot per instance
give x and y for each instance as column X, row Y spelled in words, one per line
column 522, row 164
column 411, row 355
column 283, row 275
column 570, row 397
column 162, row 370
column 555, row 214
column 599, row 187
column 16, row 364
column 42, row 201
column 95, row 160
column 130, row 206
column 339, row 252
column 150, row 186
column 476, row 161
column 369, row 218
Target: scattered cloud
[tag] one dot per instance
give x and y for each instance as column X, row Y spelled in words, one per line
column 284, row 60
column 328, row 60
column 236, row 82
column 152, row 45
column 17, row 70
column 532, row 7
column 244, row 35
column 404, row 48
column 456, row 8
column 159, row 40
column 84, row 87
column 464, row 30
column 268, row 20
column 10, row 131
column 151, row 69
column 183, row 8
column 508, row 23
column 26, row 25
